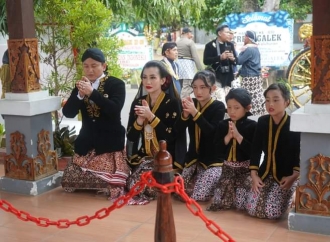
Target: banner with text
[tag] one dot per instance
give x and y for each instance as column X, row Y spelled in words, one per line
column 136, row 50
column 274, row 33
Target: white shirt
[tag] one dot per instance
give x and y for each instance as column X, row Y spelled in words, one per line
column 95, row 85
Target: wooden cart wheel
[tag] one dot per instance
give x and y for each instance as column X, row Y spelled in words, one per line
column 299, row 78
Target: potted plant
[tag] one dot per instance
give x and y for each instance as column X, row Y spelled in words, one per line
column 64, row 141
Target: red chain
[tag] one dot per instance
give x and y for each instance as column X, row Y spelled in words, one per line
column 146, row 180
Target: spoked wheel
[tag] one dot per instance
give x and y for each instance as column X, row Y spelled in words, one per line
column 299, row 78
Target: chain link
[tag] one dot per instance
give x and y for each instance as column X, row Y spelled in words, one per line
column 177, row 186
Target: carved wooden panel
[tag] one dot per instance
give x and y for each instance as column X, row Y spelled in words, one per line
column 46, row 162
column 19, row 166
column 320, row 52
column 24, row 65
column 314, row 196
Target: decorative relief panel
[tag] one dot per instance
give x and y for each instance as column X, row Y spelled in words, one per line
column 320, row 50
column 46, row 162
column 24, row 65
column 19, row 166
column 314, row 196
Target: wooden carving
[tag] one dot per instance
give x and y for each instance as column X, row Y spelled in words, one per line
column 314, row 196
column 19, row 166
column 24, row 65
column 320, row 51
column 46, row 162
column 163, row 174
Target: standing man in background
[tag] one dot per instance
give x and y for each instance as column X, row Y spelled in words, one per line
column 249, row 58
column 219, row 54
column 188, row 61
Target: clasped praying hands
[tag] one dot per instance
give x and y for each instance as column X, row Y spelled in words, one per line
column 188, row 107
column 143, row 112
column 84, row 87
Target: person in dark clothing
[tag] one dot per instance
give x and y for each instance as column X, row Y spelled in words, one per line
column 201, row 115
column 221, row 56
column 233, row 141
column 274, row 181
column 151, row 119
column 100, row 155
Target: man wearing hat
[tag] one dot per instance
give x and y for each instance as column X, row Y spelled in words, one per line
column 220, row 55
column 249, row 58
column 188, row 61
column 100, row 145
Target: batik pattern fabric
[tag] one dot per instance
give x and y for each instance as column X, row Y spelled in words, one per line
column 254, row 86
column 147, row 194
column 272, row 201
column 231, row 189
column 107, row 172
column 200, row 182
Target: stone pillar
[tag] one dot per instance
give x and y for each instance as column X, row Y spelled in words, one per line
column 312, row 208
column 31, row 165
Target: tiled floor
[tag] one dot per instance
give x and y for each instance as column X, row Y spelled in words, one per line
column 131, row 223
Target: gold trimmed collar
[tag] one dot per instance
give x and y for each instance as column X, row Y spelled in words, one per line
column 271, row 153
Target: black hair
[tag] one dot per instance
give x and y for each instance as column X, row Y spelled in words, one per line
column 220, row 28
column 168, row 85
column 158, row 64
column 241, row 95
column 285, row 92
column 168, row 45
column 207, row 76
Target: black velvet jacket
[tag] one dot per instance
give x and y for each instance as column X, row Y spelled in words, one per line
column 202, row 129
column 167, row 111
column 240, row 152
column 282, row 160
column 101, row 122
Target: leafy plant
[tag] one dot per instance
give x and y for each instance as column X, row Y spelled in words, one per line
column 64, row 139
column 65, row 29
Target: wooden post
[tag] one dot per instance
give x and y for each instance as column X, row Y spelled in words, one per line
column 163, row 173
column 320, row 52
column 22, row 47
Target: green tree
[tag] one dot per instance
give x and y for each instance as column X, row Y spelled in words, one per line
column 65, row 29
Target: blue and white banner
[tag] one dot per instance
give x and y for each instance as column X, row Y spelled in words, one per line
column 274, row 32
